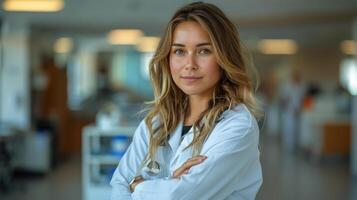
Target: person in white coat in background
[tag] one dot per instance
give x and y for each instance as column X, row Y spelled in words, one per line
column 200, row 137
column 292, row 97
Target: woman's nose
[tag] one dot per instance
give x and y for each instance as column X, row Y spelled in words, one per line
column 191, row 62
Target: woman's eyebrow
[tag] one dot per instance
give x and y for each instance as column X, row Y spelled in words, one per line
column 203, row 44
column 198, row 45
column 177, row 45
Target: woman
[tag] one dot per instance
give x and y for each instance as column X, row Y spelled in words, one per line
column 200, row 137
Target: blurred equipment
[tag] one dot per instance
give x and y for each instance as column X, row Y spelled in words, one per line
column 102, row 150
column 8, row 140
column 108, row 116
column 35, row 153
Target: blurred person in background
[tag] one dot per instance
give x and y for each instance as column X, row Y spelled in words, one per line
column 292, row 97
column 343, row 100
column 200, row 137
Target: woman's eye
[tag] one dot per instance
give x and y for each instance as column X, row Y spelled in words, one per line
column 179, row 52
column 205, row 51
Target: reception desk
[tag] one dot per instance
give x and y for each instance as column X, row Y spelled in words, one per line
column 324, row 134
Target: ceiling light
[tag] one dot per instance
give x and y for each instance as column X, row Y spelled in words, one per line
column 277, row 46
column 33, row 5
column 63, row 45
column 148, row 44
column 125, row 36
column 349, row 47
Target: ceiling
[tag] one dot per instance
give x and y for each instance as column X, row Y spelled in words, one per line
column 307, row 21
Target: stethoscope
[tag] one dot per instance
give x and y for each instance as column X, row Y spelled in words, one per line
column 152, row 168
column 149, row 169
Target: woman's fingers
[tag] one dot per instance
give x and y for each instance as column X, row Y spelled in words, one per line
column 191, row 162
column 187, row 165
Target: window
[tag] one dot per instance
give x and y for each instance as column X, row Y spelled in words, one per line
column 348, row 75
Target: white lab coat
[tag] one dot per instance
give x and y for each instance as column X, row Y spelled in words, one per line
column 232, row 169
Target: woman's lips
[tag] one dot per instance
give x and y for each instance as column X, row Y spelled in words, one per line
column 190, row 79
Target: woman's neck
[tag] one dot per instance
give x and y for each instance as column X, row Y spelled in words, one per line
column 196, row 105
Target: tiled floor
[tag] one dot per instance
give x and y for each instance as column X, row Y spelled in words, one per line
column 286, row 177
column 64, row 183
column 293, row 177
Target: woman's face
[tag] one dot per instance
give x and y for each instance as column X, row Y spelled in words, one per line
column 193, row 64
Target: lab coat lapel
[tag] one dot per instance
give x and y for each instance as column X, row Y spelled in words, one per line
column 182, row 155
column 175, row 137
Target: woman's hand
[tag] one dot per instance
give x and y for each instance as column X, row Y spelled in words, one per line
column 136, row 182
column 187, row 165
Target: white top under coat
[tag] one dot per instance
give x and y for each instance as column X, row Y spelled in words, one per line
column 232, row 169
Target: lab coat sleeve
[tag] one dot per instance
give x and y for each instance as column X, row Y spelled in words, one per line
column 129, row 164
column 232, row 165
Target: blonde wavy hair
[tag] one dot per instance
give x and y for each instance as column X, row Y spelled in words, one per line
column 168, row 108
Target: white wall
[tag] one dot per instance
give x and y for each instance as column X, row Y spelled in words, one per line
column 320, row 65
column 15, row 87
